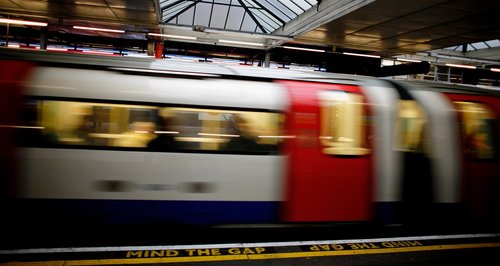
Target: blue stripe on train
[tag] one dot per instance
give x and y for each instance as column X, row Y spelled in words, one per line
column 132, row 212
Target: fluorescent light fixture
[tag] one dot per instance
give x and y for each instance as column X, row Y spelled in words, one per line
column 173, row 36
column 461, row 66
column 98, row 29
column 243, row 43
column 22, row 22
column 408, row 60
column 304, row 49
column 166, row 132
column 153, row 71
column 362, row 55
column 219, row 135
column 248, row 35
column 57, row 49
column 97, row 52
column 495, row 69
column 277, row 137
column 14, row 126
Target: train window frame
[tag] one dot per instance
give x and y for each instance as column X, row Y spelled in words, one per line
column 343, row 136
column 477, row 132
column 273, row 142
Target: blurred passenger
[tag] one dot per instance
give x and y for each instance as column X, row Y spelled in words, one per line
column 164, row 141
column 86, row 127
column 478, row 146
column 138, row 136
column 246, row 141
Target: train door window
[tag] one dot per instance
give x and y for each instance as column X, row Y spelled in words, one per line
column 410, row 128
column 343, row 123
column 477, row 128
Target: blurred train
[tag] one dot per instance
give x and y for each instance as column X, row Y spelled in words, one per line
column 97, row 140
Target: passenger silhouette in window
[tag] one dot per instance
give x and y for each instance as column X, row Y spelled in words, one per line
column 85, row 128
column 164, row 140
column 478, row 146
column 245, row 141
column 138, row 136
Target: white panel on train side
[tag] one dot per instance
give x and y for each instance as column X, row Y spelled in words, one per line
column 112, row 85
column 383, row 100
column 445, row 151
column 84, row 174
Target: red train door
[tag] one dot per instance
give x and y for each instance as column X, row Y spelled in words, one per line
column 11, row 80
column 479, row 116
column 329, row 163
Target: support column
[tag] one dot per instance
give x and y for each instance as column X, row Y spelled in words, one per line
column 158, row 49
column 43, row 39
column 267, row 59
column 151, row 47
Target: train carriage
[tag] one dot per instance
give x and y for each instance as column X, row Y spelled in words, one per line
column 239, row 145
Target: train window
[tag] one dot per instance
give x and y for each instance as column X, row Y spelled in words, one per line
column 410, row 127
column 343, row 123
column 477, row 128
column 228, row 130
column 151, row 127
column 97, row 124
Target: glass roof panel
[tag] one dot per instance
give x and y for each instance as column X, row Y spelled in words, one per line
column 186, row 18
column 283, row 13
column 493, row 43
column 476, row 46
column 202, row 15
column 174, row 10
column 248, row 24
column 243, row 15
column 235, row 17
column 219, row 20
column 292, row 6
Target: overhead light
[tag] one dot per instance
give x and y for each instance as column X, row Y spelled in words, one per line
column 219, row 135
column 56, row 49
column 22, row 22
column 248, row 35
column 461, row 66
column 408, row 60
column 362, row 55
column 97, row 52
column 495, row 69
column 304, row 49
column 153, row 71
column 98, row 29
column 243, row 43
column 173, row 36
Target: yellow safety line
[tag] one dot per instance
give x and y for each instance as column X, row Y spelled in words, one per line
column 250, row 256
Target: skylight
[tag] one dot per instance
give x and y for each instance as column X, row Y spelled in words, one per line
column 476, row 46
column 253, row 16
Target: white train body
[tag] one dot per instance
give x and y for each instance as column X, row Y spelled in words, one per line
column 329, row 147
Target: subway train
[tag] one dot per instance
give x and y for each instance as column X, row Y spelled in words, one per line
column 115, row 141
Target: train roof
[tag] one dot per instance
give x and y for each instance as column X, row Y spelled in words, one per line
column 449, row 87
column 155, row 67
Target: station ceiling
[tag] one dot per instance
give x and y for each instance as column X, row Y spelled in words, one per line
column 381, row 27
